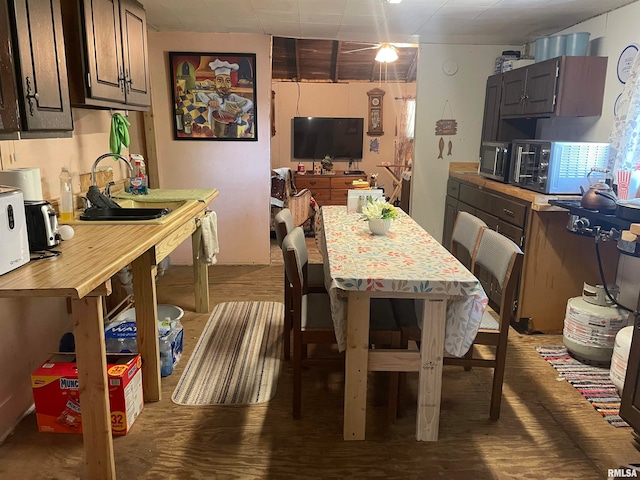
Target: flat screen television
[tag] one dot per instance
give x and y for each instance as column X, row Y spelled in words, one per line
column 316, row 137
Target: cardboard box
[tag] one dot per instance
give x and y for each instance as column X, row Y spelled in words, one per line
column 354, row 196
column 57, row 399
column 513, row 64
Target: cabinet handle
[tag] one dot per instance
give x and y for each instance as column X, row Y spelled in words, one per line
column 31, row 96
column 508, row 212
column 312, row 183
column 128, row 81
column 122, row 80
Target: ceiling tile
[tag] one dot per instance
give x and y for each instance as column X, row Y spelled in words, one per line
column 272, row 5
column 321, row 18
column 313, row 30
column 330, row 7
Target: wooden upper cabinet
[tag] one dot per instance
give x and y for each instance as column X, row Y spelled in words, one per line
column 135, row 53
column 108, row 53
column 8, row 94
column 39, row 65
column 491, row 123
column 562, row 86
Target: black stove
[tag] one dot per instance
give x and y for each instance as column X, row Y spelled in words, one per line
column 594, row 223
column 606, row 220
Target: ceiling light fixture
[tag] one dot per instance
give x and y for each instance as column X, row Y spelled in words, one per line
column 387, row 53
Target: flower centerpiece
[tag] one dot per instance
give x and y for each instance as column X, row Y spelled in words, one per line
column 379, row 214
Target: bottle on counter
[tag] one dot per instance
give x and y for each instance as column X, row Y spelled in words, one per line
column 66, row 196
column 139, row 182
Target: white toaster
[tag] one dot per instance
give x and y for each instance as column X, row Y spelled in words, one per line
column 13, row 230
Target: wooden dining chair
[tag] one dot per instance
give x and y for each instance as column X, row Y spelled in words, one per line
column 313, row 324
column 283, row 223
column 465, row 237
column 502, row 259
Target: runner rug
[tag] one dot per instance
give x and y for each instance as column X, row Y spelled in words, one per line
column 237, row 358
column 591, row 381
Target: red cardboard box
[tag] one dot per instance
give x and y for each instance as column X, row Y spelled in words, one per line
column 57, row 399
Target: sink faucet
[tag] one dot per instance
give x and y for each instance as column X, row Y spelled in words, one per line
column 105, row 155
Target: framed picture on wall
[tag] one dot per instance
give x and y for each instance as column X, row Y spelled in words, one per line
column 214, row 96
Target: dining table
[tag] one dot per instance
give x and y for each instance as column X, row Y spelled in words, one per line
column 406, row 262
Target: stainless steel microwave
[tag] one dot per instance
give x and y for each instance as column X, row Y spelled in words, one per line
column 555, row 167
column 494, row 160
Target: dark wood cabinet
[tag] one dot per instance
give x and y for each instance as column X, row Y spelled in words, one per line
column 562, row 86
column 33, row 80
column 491, row 119
column 8, row 92
column 107, row 49
column 630, row 404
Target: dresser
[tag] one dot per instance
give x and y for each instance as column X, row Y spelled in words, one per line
column 328, row 189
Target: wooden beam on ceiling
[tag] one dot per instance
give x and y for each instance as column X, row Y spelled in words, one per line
column 336, row 50
column 411, row 71
column 298, row 75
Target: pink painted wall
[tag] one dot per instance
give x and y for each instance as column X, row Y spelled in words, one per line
column 337, row 100
column 239, row 170
column 31, row 328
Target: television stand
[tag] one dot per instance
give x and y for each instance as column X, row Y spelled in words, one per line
column 328, row 189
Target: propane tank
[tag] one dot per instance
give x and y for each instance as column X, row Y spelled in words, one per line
column 592, row 322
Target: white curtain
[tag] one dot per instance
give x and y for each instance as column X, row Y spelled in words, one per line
column 625, row 132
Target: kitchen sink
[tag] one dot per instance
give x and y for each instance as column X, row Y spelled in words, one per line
column 133, row 211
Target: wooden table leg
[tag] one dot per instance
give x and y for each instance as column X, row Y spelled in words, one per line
column 93, row 387
column 200, row 272
column 430, row 382
column 355, row 387
column 144, row 269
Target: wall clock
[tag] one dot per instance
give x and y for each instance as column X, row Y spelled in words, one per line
column 375, row 112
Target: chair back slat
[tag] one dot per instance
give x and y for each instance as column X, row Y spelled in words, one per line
column 296, row 258
column 283, row 224
column 466, row 233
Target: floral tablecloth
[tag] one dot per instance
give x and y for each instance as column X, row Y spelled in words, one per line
column 407, row 259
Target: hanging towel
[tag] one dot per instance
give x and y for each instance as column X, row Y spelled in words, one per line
column 209, row 225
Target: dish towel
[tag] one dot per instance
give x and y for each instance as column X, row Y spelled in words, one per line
column 209, row 225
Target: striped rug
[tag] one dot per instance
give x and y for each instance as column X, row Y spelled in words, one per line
column 237, row 358
column 591, row 381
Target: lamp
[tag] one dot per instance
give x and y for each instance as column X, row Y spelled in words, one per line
column 387, row 53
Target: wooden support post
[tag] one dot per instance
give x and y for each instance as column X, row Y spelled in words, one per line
column 430, row 383
column 355, row 391
column 200, row 272
column 144, row 289
column 93, row 388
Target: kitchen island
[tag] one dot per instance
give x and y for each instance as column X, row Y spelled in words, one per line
column 557, row 262
column 82, row 273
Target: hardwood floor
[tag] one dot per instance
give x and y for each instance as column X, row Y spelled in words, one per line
column 547, row 430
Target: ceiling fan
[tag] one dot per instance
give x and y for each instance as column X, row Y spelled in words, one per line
column 387, row 51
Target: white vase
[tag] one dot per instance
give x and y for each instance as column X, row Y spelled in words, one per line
column 379, row 226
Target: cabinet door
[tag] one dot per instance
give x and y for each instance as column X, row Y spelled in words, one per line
column 42, row 66
column 104, row 50
column 540, row 95
column 8, row 99
column 134, row 52
column 450, row 212
column 513, row 88
column 630, row 404
column 491, row 120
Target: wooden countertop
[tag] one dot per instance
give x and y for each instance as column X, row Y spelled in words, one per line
column 539, row 201
column 92, row 257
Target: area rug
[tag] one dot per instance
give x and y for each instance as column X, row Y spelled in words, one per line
column 591, row 381
column 237, row 358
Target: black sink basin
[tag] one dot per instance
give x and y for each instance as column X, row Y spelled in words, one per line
column 123, row 214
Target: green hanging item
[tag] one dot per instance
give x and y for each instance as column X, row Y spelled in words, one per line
column 119, row 135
